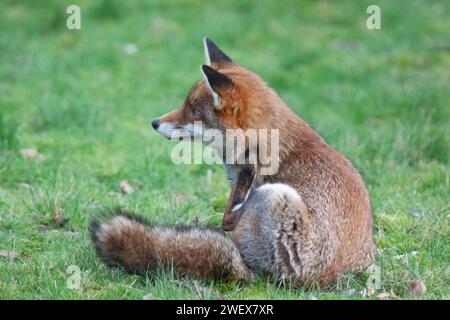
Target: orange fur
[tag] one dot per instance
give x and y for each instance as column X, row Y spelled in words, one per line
column 309, row 221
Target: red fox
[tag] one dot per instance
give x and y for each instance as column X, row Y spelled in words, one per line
column 308, row 222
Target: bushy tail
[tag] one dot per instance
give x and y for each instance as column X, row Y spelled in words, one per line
column 128, row 241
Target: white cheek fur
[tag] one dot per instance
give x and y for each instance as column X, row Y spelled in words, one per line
column 166, row 129
column 174, row 132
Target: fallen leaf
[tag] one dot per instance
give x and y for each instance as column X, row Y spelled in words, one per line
column 60, row 221
column 44, row 227
column 31, row 154
column 349, row 292
column 387, row 295
column 148, row 296
column 130, row 48
column 24, row 185
column 417, row 288
column 179, row 197
column 158, row 23
column 383, row 295
column 58, row 218
column 367, row 292
column 125, row 186
column 8, row 254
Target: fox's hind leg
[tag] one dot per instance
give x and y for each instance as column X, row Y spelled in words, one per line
column 277, row 234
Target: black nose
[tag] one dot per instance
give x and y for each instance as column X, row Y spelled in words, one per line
column 155, row 124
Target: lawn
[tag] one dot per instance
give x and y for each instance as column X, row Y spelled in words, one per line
column 83, row 99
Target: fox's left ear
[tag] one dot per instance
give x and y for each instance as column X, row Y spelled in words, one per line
column 217, row 83
column 213, row 54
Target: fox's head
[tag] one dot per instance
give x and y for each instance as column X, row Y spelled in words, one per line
column 228, row 96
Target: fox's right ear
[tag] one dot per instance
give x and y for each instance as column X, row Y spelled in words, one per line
column 213, row 54
column 217, row 82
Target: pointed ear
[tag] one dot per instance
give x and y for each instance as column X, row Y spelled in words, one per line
column 217, row 82
column 213, row 54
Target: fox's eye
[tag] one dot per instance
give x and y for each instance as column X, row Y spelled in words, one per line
column 195, row 112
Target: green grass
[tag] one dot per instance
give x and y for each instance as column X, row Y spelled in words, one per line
column 381, row 97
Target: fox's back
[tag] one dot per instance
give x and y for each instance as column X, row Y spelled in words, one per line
column 333, row 191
